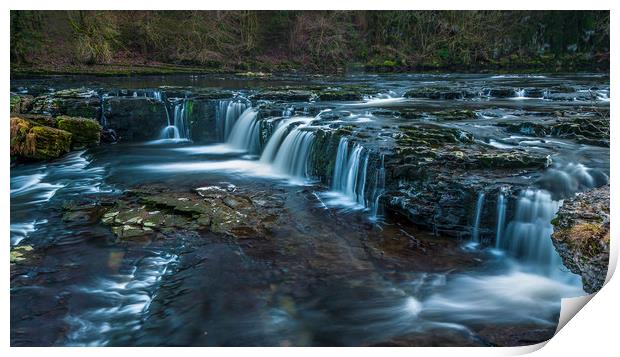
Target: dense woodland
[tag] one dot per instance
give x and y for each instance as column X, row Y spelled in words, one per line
column 310, row 41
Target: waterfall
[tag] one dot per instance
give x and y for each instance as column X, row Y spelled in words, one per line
column 527, row 236
column 501, row 217
column 475, row 233
column 288, row 150
column 226, row 114
column 293, row 156
column 350, row 172
column 342, row 158
column 378, row 190
column 279, row 134
column 178, row 128
column 103, row 120
column 246, row 131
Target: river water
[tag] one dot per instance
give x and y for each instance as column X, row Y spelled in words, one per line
column 339, row 273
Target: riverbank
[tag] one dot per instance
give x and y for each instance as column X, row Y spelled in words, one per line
column 544, row 64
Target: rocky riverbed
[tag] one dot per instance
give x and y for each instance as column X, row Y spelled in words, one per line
column 320, row 207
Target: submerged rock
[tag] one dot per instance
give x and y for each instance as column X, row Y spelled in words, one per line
column 581, row 236
column 37, row 142
column 20, row 253
column 147, row 212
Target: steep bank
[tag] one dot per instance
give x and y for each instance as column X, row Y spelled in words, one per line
column 308, row 41
column 581, row 236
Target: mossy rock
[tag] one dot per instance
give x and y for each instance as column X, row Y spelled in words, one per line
column 21, row 103
column 86, row 132
column 37, row 142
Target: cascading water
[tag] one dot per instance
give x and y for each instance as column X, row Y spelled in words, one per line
column 178, row 129
column 501, row 217
column 103, row 119
column 350, row 172
column 378, row 190
column 527, row 235
column 245, row 133
column 226, row 114
column 475, row 233
column 294, row 154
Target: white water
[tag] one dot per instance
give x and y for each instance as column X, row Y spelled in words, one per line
column 294, row 154
column 349, row 178
column 245, row 133
column 127, row 299
column 378, row 190
column 475, row 233
column 31, row 190
column 527, row 236
column 501, row 218
column 177, row 129
column 226, row 115
column 281, row 130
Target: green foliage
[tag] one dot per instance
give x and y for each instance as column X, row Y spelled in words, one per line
column 26, row 35
column 95, row 36
column 312, row 40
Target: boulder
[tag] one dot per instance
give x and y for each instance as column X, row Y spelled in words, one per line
column 86, row 132
column 136, row 119
column 502, row 92
column 21, row 103
column 71, row 102
column 581, row 236
column 37, row 142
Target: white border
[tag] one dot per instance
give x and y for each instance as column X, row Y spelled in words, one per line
column 591, row 332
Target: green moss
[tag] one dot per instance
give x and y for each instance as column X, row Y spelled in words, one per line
column 48, row 143
column 86, row 132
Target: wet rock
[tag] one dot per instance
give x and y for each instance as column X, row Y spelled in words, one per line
column 37, row 142
column 442, row 93
column 455, row 114
column 20, row 254
column 86, row 132
column 574, row 96
column 72, row 102
column 136, row 119
column 585, row 130
column 148, row 211
column 534, row 92
column 21, row 103
column 434, row 173
column 108, row 136
column 592, row 131
column 504, row 92
column 581, row 236
column 289, row 95
column 506, row 160
column 201, row 114
column 526, row 128
column 340, row 94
